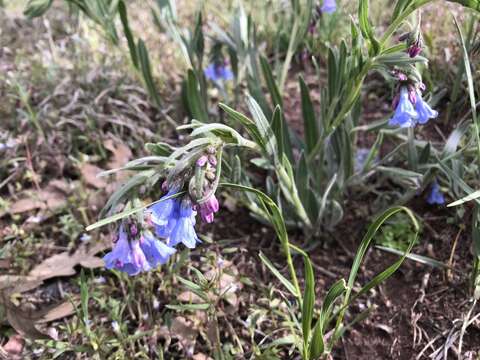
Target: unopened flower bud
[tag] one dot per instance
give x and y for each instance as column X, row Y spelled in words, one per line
column 412, row 94
column 210, row 175
column 165, row 186
column 211, row 150
column 202, row 160
column 212, row 160
column 133, row 229
column 414, row 43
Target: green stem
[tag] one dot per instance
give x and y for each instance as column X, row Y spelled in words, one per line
column 412, row 150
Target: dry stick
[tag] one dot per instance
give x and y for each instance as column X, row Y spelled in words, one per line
column 30, row 166
column 450, row 260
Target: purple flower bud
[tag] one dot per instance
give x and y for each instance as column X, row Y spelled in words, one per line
column 212, row 160
column 133, row 230
column 210, row 175
column 395, row 101
column 414, row 50
column 165, row 186
column 412, row 94
column 208, row 209
column 202, row 160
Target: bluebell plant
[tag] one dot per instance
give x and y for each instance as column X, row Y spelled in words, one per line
column 146, row 243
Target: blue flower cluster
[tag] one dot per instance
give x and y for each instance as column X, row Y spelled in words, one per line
column 435, row 196
column 134, row 254
column 173, row 220
column 411, row 110
column 218, row 72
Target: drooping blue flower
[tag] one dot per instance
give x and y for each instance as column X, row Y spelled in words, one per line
column 156, row 252
column 435, row 196
column 217, row 72
column 405, row 115
column 424, row 111
column 184, row 229
column 161, row 212
column 329, row 6
column 126, row 256
column 164, row 230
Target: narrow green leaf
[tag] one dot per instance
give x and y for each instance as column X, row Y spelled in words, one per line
column 474, row 195
column 37, row 8
column 190, row 307
column 144, row 61
column 288, row 285
column 271, row 84
column 309, row 119
column 127, row 213
column 308, row 299
column 122, row 9
column 194, row 99
column 366, row 26
column 418, row 258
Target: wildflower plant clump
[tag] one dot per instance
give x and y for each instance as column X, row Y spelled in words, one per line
column 148, row 240
column 307, row 176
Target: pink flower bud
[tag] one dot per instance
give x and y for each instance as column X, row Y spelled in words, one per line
column 212, row 160
column 208, row 209
column 201, row 161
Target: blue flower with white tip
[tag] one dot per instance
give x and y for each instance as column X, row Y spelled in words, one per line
column 126, row 256
column 162, row 211
column 184, row 229
column 156, row 252
column 405, row 115
column 424, row 111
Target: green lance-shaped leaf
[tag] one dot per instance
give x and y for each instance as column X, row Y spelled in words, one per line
column 474, row 195
column 317, row 345
column 271, row 84
column 379, row 278
column 247, row 123
column 37, row 8
column 366, row 27
column 264, row 129
column 287, row 283
column 122, row 9
column 308, row 299
column 309, row 120
column 194, row 99
column 399, row 7
column 282, row 133
column 144, row 61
